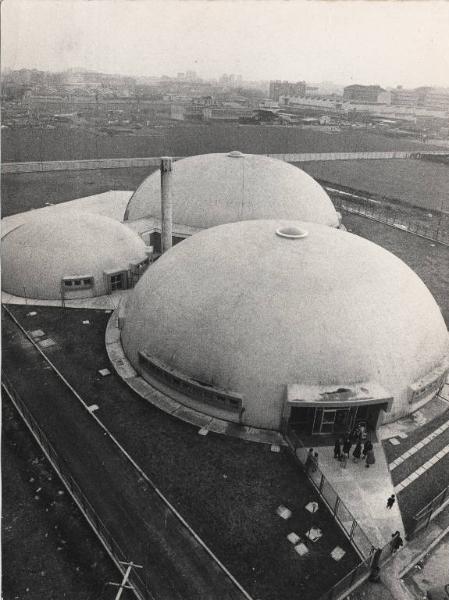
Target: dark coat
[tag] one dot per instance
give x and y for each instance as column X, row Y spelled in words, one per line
column 367, row 446
column 347, row 446
column 357, row 450
column 370, row 459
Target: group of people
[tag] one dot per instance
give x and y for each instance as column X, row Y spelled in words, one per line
column 363, row 447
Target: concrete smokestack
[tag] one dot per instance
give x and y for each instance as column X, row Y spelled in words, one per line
column 166, row 203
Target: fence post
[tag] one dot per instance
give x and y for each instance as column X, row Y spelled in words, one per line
column 337, row 502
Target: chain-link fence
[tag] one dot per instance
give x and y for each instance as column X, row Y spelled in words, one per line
column 435, row 231
column 422, row 518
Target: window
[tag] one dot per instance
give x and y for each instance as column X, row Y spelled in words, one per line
column 194, row 389
column 80, row 283
column 116, row 282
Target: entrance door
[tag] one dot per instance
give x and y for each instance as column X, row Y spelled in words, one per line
column 333, row 420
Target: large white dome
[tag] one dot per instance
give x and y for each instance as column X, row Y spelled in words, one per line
column 240, row 308
column 38, row 254
column 213, row 189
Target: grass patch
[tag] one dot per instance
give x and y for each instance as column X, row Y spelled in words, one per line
column 227, row 489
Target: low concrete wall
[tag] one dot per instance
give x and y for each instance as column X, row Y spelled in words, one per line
column 117, row 163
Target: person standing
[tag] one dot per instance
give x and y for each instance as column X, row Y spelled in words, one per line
column 347, row 446
column 370, row 458
column 391, row 500
column 309, row 460
column 367, row 446
column 337, row 449
column 315, row 462
column 357, row 451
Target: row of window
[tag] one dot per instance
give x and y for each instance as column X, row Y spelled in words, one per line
column 197, row 391
column 426, row 390
column 78, row 282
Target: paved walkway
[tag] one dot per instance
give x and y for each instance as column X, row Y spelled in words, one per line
column 392, row 586
column 365, row 492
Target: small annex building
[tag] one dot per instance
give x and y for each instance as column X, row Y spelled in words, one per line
column 213, row 189
column 66, row 255
column 276, row 324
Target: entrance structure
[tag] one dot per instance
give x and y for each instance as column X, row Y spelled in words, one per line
column 274, row 323
column 326, row 409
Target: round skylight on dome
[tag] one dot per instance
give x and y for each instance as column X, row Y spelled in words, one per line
column 292, row 232
column 236, row 154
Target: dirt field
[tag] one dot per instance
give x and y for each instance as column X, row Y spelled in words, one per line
column 417, row 182
column 184, row 139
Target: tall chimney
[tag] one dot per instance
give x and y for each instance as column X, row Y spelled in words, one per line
column 166, row 203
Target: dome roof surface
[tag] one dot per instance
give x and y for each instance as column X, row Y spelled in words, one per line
column 248, row 310
column 39, row 253
column 213, row 189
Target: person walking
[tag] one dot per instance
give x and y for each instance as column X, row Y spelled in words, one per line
column 357, row 451
column 367, row 446
column 391, row 500
column 337, row 449
column 397, row 542
column 347, row 445
column 370, row 458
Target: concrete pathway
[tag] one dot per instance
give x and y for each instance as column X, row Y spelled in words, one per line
column 108, row 302
column 364, row 492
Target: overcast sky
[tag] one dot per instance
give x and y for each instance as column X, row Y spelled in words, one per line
column 388, row 43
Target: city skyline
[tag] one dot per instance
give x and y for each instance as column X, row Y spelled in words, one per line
column 343, row 42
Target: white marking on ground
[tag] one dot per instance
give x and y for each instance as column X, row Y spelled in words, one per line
column 421, row 470
column 398, row 461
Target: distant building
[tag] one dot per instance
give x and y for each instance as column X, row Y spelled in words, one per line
column 369, row 94
column 286, row 88
column 403, row 97
column 436, row 98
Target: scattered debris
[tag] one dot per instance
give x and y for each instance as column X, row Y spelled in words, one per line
column 203, row 431
column 47, row 343
column 402, row 435
column 225, row 476
column 93, row 407
column 283, row 512
column 394, row 442
column 293, row 538
column 60, row 492
column 314, row 534
column 37, row 333
column 104, row 372
column 337, row 553
column 312, row 507
column 275, row 448
column 86, row 322
column 301, row 549
column 33, row 313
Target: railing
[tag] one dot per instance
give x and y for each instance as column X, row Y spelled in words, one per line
column 138, row 582
column 339, row 510
column 438, row 232
column 422, row 518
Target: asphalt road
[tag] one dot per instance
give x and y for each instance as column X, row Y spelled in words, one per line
column 176, row 566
